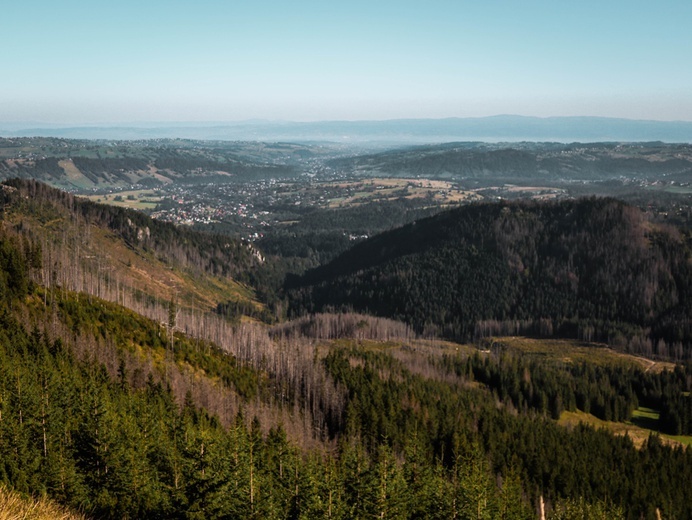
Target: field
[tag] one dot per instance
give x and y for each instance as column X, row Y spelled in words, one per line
column 369, row 190
column 136, row 199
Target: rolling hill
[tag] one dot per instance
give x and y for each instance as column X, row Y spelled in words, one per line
column 591, row 268
column 80, row 165
column 521, row 162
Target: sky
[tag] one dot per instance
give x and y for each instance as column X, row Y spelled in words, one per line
column 96, row 62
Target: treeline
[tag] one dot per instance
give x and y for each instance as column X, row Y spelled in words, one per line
column 606, row 392
column 391, row 405
column 610, row 393
column 591, row 268
column 676, row 407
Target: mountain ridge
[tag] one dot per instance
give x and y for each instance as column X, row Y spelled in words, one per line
column 527, row 160
column 589, row 268
column 490, row 128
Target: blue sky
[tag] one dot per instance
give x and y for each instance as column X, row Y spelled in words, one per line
column 75, row 61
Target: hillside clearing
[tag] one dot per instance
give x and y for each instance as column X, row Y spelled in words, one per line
column 638, row 434
column 575, row 351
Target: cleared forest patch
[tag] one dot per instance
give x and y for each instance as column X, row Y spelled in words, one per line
column 633, row 429
column 575, row 351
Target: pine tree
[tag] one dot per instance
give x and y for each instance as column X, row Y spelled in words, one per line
column 477, row 492
column 390, row 494
column 512, row 504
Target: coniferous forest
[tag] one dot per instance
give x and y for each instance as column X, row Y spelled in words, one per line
column 169, row 412
column 594, row 269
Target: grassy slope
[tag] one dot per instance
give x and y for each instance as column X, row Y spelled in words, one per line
column 574, row 351
column 14, row 506
column 560, row 350
column 637, row 433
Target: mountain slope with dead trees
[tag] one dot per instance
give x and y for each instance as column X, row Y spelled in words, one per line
column 178, row 411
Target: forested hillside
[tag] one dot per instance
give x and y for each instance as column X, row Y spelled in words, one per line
column 123, row 255
column 81, row 164
column 183, row 410
column 322, row 234
column 596, row 269
column 517, row 162
column 104, row 413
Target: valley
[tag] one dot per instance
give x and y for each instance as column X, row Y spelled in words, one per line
column 345, row 261
column 210, row 329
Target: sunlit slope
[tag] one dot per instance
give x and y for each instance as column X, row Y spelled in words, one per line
column 14, row 506
column 124, row 256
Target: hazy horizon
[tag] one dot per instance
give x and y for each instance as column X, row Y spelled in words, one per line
column 377, row 132
column 251, row 121
column 83, row 63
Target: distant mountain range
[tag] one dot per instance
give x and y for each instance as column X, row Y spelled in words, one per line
column 495, row 128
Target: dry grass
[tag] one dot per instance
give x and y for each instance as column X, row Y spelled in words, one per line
column 14, row 506
column 637, row 434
